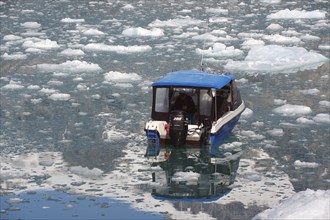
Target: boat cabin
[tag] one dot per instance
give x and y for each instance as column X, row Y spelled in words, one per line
column 213, row 95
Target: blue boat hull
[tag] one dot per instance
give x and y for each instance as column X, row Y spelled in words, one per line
column 216, row 138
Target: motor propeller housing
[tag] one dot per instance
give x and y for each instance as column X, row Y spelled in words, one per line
column 178, row 127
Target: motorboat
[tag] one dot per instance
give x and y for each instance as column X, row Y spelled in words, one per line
column 193, row 107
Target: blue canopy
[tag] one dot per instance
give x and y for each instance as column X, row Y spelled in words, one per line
column 194, row 78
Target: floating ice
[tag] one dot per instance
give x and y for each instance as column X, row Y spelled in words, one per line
column 303, row 120
column 324, row 103
column 217, row 11
column 31, row 25
column 141, row 32
column 185, row 176
column 40, row 44
column 117, row 48
column 177, row 22
column 292, row 110
column 74, row 66
column 270, row 1
column 128, row 7
column 307, row 205
column 59, row 97
column 249, row 43
column 280, row 39
column 92, row 32
column 296, row 14
column 47, row 91
column 72, row 52
column 277, row 59
column 247, row 113
column 72, row 20
column 11, row 37
column 322, row 118
column 252, row 135
column 303, row 164
column 310, row 91
column 15, row 56
column 220, row 50
column 85, row 172
column 12, row 85
column 279, row 102
column 113, row 76
column 274, row 27
column 278, row 132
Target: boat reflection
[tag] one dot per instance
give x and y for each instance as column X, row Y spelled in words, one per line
column 192, row 173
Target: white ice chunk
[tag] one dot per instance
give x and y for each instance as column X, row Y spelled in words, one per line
column 92, row 32
column 278, row 132
column 14, row 56
column 297, row 14
column 117, row 48
column 114, row 76
column 177, row 22
column 324, row 103
column 85, row 172
column 292, row 110
column 277, row 59
column 11, row 37
column 279, row 102
column 304, row 205
column 12, row 85
column 249, row 43
column 217, row 11
column 303, row 120
column 185, row 176
column 31, row 25
column 40, row 44
column 59, row 97
column 141, row 32
column 310, row 91
column 72, row 20
column 247, row 113
column 72, row 52
column 74, row 66
column 274, row 27
column 280, row 39
column 322, row 118
column 302, row 164
column 220, row 50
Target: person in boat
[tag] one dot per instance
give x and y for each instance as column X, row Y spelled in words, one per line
column 185, row 103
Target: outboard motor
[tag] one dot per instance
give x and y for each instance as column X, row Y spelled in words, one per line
column 178, row 127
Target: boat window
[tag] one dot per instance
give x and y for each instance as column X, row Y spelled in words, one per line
column 162, row 100
column 205, row 106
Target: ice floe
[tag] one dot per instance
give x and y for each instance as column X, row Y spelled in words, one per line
column 176, row 22
column 72, row 20
column 60, row 96
column 31, row 25
column 12, row 85
column 72, row 52
column 292, row 110
column 308, row 204
column 14, row 56
column 297, row 14
column 73, row 66
column 142, row 32
column 120, row 77
column 322, row 118
column 117, row 48
column 302, row 164
column 277, row 59
column 220, row 50
column 40, row 44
